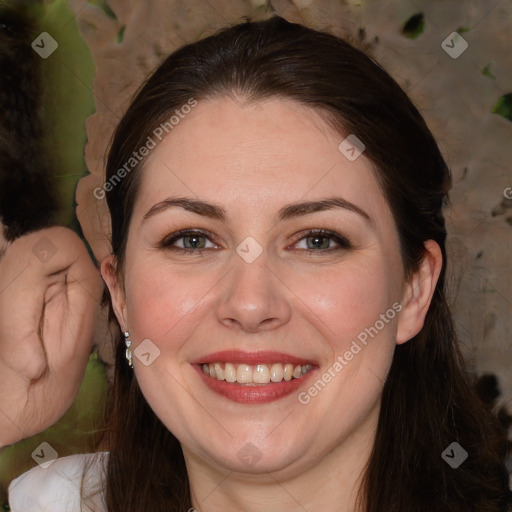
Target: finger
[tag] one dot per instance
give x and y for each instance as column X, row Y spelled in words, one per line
column 34, row 265
column 70, row 310
column 20, row 317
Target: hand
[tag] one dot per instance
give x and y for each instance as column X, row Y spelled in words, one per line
column 49, row 297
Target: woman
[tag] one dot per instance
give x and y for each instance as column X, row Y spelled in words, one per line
column 278, row 264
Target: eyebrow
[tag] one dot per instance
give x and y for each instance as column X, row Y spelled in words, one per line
column 289, row 211
column 304, row 208
column 191, row 205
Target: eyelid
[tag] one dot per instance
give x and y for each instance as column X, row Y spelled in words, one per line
column 168, row 240
column 342, row 241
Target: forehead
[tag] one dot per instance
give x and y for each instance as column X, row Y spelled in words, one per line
column 268, row 152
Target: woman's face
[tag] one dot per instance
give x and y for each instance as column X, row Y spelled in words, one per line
column 304, row 322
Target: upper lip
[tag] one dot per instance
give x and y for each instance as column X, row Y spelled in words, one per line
column 261, row 357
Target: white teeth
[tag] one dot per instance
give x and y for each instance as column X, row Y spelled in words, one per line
column 230, row 372
column 219, row 372
column 244, row 373
column 276, row 373
column 261, row 374
column 258, row 374
column 288, row 372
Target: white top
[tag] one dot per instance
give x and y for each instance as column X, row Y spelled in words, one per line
column 68, row 484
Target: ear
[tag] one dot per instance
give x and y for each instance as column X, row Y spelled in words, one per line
column 109, row 273
column 418, row 292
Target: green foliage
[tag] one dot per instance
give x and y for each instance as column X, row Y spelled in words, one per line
column 487, row 72
column 414, row 26
column 503, row 106
column 68, row 100
column 103, row 5
column 120, row 35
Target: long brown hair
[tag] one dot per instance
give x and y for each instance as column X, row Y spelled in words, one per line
column 428, row 399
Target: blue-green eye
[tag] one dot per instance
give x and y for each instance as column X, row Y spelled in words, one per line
column 189, row 241
column 321, row 240
column 312, row 241
column 194, row 242
column 316, row 242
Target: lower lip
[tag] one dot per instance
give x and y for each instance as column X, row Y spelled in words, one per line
column 253, row 394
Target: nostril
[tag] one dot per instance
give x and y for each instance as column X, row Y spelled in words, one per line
column 248, row 326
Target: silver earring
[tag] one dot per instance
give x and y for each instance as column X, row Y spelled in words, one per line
column 128, row 344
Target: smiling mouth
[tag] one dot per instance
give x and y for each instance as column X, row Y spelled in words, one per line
column 255, row 374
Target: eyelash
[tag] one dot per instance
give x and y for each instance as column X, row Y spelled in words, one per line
column 343, row 242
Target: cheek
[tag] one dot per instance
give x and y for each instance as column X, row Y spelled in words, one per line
column 346, row 300
column 355, row 309
column 162, row 303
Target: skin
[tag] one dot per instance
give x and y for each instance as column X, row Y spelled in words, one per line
column 253, row 159
column 48, row 306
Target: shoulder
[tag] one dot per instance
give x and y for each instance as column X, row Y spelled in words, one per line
column 67, row 485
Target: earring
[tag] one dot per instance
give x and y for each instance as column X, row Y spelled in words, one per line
column 128, row 355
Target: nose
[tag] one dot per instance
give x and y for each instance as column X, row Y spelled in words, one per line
column 253, row 298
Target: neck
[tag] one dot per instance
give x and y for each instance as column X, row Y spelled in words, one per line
column 331, row 483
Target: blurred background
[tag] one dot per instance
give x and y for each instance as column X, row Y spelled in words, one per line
column 84, row 60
